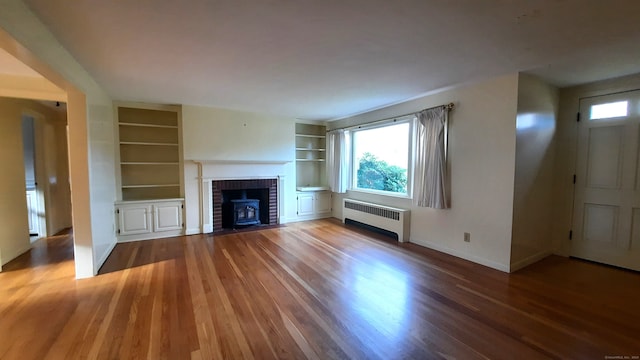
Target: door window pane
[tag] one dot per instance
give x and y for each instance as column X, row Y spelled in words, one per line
column 609, row 110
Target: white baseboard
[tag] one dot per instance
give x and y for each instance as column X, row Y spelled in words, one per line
column 286, row 220
column 529, row 260
column 192, row 231
column 150, row 236
column 310, row 217
column 104, row 257
column 207, row 229
column 456, row 253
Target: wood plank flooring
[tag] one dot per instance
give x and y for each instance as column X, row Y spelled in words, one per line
column 311, row 290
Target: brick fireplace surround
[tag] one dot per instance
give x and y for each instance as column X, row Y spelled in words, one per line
column 220, row 185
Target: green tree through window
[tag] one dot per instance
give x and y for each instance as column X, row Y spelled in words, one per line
column 376, row 174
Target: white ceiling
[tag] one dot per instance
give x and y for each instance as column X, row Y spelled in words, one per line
column 326, row 59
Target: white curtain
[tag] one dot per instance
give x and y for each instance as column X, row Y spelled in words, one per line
column 338, row 156
column 429, row 185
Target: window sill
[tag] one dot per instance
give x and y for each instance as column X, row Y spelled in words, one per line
column 381, row 193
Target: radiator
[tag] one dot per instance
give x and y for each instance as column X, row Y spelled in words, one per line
column 383, row 217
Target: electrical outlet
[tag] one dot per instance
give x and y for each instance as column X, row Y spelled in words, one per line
column 467, row 237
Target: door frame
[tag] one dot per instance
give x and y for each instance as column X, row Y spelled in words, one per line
column 42, row 188
column 611, row 92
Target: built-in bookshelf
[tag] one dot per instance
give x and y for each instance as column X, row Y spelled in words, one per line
column 311, row 155
column 149, row 139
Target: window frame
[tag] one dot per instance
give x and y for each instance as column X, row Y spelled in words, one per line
column 353, row 183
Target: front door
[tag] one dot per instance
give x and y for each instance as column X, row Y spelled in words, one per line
column 606, row 220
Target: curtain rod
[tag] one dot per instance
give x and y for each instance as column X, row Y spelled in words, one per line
column 448, row 106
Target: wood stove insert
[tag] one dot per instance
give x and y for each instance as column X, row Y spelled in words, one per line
column 244, row 203
column 245, row 212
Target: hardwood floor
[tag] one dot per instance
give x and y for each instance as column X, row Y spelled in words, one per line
column 316, row 290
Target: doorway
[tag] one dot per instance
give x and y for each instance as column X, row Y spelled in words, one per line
column 36, row 213
column 37, row 79
column 606, row 218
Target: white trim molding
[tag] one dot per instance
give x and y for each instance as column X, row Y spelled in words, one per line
column 242, row 162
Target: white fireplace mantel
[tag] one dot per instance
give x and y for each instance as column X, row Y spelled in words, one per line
column 212, row 170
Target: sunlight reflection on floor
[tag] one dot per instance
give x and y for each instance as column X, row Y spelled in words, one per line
column 380, row 298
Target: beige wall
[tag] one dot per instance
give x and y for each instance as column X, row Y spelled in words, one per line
column 221, row 134
column 482, row 161
column 228, row 135
column 566, row 140
column 14, row 234
column 102, row 177
column 535, row 155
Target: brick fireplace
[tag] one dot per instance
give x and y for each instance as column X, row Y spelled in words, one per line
column 228, row 174
column 225, row 191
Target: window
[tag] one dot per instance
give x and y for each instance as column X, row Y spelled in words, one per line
column 381, row 158
column 609, row 110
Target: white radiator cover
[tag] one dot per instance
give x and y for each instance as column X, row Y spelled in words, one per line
column 383, row 217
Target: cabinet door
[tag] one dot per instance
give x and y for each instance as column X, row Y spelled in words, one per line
column 134, row 219
column 167, row 216
column 323, row 202
column 305, row 204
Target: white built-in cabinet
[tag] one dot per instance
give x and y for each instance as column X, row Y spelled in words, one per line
column 305, row 203
column 150, row 152
column 311, row 155
column 140, row 220
column 313, row 204
column 313, row 197
column 151, row 170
